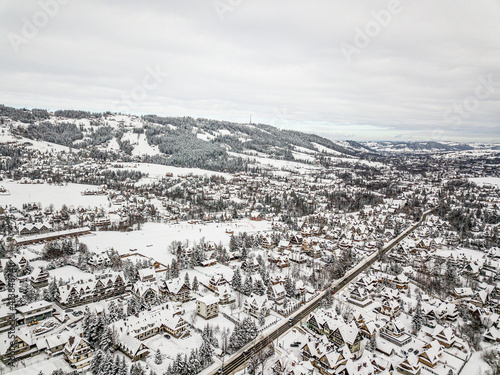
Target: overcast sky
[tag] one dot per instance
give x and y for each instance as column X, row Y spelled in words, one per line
column 345, row 69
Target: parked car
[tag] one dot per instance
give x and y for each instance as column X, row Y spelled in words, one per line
column 166, row 335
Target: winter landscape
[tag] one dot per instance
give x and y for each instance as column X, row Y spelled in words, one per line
column 236, row 187
column 292, row 254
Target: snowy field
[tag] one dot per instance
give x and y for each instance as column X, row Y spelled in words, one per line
column 154, row 238
column 46, row 194
column 481, row 181
column 70, row 273
column 469, row 253
column 156, row 171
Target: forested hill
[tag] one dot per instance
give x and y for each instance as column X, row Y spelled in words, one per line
column 178, row 141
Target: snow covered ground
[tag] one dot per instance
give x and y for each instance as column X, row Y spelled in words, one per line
column 481, row 181
column 159, row 171
column 153, row 239
column 46, row 194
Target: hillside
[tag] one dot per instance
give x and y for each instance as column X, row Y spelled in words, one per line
column 177, row 141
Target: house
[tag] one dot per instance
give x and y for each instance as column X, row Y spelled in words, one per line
column 207, row 307
column 34, row 312
column 256, row 305
column 39, row 277
column 350, row 336
column 146, row 292
column 431, row 354
column 55, row 343
column 410, row 366
column 161, row 318
column 277, row 293
column 331, row 361
column 225, row 295
column 445, row 336
column 492, row 334
column 399, row 282
column 255, row 216
column 390, row 308
column 176, row 289
column 394, row 331
column 98, row 260
column 85, row 291
column 132, row 347
column 360, row 297
column 20, row 347
column 250, row 265
column 77, row 352
column 147, row 274
column 216, row 281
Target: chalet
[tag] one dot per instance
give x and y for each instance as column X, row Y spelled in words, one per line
column 255, row 216
column 225, row 295
column 360, row 297
column 98, row 260
column 410, row 366
column 399, row 282
column 132, row 347
column 207, row 307
column 147, row 274
column 77, row 352
column 278, row 279
column 20, row 347
column 216, row 281
column 39, row 277
column 445, row 336
column 250, row 265
column 86, row 291
column 332, row 361
column 146, row 292
column 149, row 323
column 54, row 344
column 480, row 298
column 390, row 308
column 431, row 353
column 492, row 334
column 277, row 293
column 462, row 292
column 256, row 305
column 349, row 335
column 176, row 289
column 394, row 331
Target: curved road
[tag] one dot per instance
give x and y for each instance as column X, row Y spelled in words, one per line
column 242, row 356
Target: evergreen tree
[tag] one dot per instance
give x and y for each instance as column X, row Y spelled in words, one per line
column 262, row 318
column 195, row 285
column 206, row 353
column 247, row 286
column 186, row 280
column 417, row 318
column 289, row 287
column 106, row 342
column 236, row 280
column 53, row 290
column 259, row 287
column 95, row 363
column 158, row 357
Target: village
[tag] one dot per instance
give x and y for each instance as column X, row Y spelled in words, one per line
column 117, row 267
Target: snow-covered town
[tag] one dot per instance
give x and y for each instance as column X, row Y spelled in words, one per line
column 326, row 262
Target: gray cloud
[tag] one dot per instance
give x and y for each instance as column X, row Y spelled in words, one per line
column 417, row 77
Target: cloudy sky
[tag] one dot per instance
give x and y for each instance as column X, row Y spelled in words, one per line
column 362, row 70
